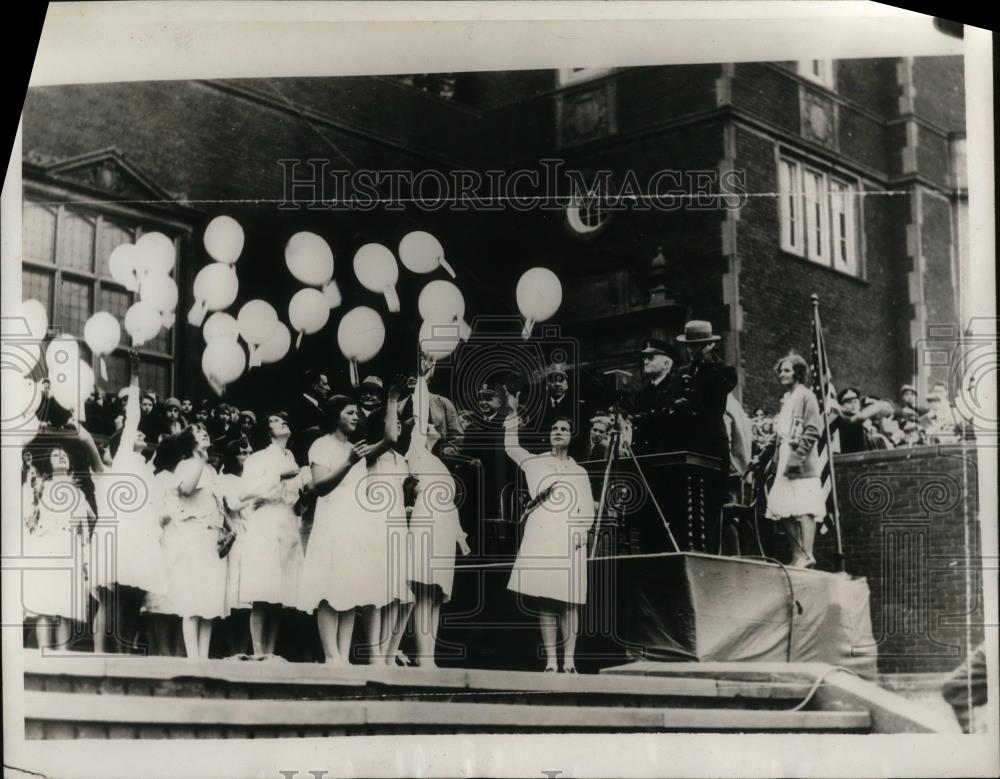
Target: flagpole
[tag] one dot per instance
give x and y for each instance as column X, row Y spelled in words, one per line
column 821, row 351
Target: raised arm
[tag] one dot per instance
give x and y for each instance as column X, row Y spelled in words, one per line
column 325, row 479
column 389, row 434
column 130, row 429
column 188, row 473
column 511, row 443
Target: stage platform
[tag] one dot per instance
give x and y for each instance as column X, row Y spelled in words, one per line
column 76, row 695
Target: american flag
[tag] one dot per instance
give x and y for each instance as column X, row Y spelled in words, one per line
column 822, row 387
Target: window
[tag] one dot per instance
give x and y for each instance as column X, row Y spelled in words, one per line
column 575, row 75
column 820, row 72
column 65, row 267
column 819, row 216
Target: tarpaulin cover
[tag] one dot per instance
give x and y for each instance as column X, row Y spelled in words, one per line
column 707, row 608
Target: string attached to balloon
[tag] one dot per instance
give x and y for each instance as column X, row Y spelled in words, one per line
column 421, row 252
column 539, row 295
column 215, row 288
column 360, row 336
column 441, row 301
column 256, row 321
column 308, row 313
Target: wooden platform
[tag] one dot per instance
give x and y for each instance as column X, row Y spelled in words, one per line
column 69, row 695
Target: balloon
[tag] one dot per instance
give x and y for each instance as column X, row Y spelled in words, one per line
column 159, row 291
column 539, row 294
column 36, row 319
column 62, row 355
column 124, row 263
column 256, row 322
column 438, row 340
column 156, row 254
column 19, row 355
column 215, row 288
column 308, row 312
column 309, row 258
column 71, row 385
column 102, row 334
column 332, row 294
column 276, row 347
column 442, row 301
column 421, row 252
column 21, row 397
column 220, row 325
column 224, row 239
column 376, row 269
column 223, row 361
column 167, row 319
column 360, row 337
column 142, row 322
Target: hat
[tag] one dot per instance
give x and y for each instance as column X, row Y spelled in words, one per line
column 372, row 381
column 868, row 400
column 907, row 388
column 487, row 389
column 172, row 403
column 250, row 414
column 847, row 394
column 655, row 346
column 698, row 331
column 935, row 396
column 557, row 368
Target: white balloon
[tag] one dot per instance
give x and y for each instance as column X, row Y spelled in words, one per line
column 159, row 291
column 277, row 346
column 421, row 252
column 36, row 318
column 124, row 265
column 376, row 269
column 438, row 340
column 220, row 325
column 71, row 385
column 308, row 311
column 20, row 356
column 62, row 354
column 256, row 321
column 539, row 295
column 167, row 319
column 142, row 322
column 223, row 361
column 224, row 239
column 361, row 334
column 309, row 258
column 102, row 333
column 157, row 254
column 441, row 301
column 215, row 288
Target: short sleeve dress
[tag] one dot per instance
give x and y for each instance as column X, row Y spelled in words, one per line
column 793, row 497
column 435, row 528
column 552, row 558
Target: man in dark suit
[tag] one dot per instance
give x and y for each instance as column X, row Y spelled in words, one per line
column 307, row 419
column 558, row 403
column 652, row 402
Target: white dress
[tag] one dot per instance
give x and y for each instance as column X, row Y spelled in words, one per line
column 435, row 528
column 196, row 575
column 126, row 537
column 792, row 497
column 552, row 559
column 228, row 488
column 271, row 556
column 59, row 589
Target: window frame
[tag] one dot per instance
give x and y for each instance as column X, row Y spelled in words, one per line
column 55, row 196
column 827, row 78
column 796, row 235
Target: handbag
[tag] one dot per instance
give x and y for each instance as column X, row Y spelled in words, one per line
column 224, row 543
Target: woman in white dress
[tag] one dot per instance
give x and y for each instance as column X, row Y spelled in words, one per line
column 236, row 625
column 796, row 497
column 271, row 548
column 434, row 527
column 337, row 468
column 57, row 520
column 196, row 575
column 551, row 563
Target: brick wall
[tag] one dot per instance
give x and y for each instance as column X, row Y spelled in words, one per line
column 904, row 516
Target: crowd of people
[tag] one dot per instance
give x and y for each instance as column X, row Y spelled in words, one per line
column 344, row 506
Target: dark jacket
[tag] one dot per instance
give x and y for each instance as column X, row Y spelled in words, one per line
column 650, row 408
column 697, row 406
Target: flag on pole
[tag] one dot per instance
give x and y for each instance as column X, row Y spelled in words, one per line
column 826, row 395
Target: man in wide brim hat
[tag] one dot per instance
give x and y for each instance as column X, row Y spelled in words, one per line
column 698, row 332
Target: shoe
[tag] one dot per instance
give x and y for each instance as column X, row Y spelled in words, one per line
column 570, row 670
column 550, row 670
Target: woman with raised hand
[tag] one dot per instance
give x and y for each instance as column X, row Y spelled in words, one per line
column 551, row 564
column 434, row 527
column 271, row 548
column 57, row 523
column 796, row 498
column 193, row 522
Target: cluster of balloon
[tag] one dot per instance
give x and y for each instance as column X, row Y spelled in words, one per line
column 102, row 333
column 376, row 269
column 360, row 336
column 539, row 295
column 257, row 322
column 442, row 307
column 223, row 360
column 310, row 260
column 216, row 285
column 421, row 252
column 71, row 378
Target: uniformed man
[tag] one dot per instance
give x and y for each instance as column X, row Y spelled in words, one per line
column 652, row 401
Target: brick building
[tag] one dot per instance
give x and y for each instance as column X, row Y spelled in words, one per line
column 852, row 171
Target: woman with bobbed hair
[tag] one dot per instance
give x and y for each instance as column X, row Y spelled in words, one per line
column 796, row 497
